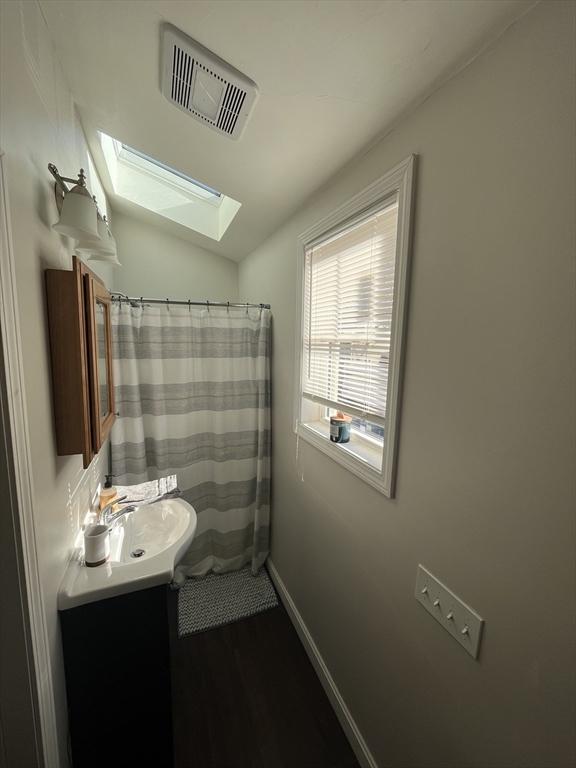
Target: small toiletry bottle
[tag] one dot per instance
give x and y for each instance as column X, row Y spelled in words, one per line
column 340, row 427
column 108, row 493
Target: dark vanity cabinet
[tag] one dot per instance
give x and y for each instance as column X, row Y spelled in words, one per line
column 81, row 353
column 117, row 662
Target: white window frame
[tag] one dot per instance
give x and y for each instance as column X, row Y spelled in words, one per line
column 398, row 181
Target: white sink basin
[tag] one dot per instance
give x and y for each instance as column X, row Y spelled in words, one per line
column 149, row 530
column 145, row 546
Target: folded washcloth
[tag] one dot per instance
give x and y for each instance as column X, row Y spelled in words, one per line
column 163, row 488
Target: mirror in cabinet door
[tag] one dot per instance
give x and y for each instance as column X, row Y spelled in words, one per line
column 100, row 359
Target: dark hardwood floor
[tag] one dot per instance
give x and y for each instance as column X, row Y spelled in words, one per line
column 246, row 696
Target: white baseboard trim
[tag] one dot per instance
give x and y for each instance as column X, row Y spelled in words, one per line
column 343, row 714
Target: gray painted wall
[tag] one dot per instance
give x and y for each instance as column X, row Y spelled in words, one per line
column 156, row 263
column 485, row 493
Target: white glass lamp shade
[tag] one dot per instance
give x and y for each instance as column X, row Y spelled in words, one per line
column 78, row 217
column 97, row 241
column 105, row 250
column 101, row 248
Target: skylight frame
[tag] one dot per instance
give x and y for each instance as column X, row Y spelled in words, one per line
column 165, row 173
column 165, row 191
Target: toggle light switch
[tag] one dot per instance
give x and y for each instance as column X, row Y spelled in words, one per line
column 457, row 618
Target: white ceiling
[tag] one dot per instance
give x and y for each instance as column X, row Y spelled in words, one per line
column 332, row 75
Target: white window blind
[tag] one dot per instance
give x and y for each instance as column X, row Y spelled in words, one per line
column 348, row 298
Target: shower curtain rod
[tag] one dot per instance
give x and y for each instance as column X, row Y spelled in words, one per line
column 117, row 296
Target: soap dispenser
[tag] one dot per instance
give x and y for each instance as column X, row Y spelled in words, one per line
column 108, row 492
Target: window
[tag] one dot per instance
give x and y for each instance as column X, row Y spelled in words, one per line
column 151, row 184
column 354, row 272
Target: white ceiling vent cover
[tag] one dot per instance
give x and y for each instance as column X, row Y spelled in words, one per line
column 203, row 85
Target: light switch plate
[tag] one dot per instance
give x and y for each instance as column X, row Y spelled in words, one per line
column 457, row 618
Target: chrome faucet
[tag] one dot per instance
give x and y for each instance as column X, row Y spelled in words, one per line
column 107, row 516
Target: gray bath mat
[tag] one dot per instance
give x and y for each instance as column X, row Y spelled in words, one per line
column 221, row 598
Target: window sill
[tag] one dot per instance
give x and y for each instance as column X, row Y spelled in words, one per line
column 360, row 456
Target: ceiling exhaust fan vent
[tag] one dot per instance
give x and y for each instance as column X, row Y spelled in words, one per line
column 204, row 86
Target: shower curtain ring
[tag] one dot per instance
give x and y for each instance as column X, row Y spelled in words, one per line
column 247, row 307
column 168, row 305
column 228, row 307
column 207, row 305
column 188, row 305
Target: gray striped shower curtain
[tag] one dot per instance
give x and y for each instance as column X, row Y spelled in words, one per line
column 192, row 388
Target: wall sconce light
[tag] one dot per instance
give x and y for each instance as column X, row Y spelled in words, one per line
column 106, row 248
column 81, row 219
column 103, row 246
column 76, row 207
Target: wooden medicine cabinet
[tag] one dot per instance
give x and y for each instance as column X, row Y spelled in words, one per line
column 81, row 352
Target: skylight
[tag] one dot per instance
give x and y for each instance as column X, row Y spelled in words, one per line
column 165, row 173
column 147, row 182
